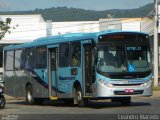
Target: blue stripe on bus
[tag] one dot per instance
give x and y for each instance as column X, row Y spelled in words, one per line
column 41, row 81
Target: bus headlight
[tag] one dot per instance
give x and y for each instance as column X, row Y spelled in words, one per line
column 105, row 83
column 145, row 84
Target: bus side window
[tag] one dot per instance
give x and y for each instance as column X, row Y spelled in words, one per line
column 75, row 54
column 30, row 58
column 19, row 61
column 41, row 57
column 64, row 55
column 9, row 58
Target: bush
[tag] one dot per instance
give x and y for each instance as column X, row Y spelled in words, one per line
column 157, row 88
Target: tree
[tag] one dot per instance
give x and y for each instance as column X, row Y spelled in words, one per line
column 4, row 27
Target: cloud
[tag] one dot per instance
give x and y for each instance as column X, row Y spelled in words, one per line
column 4, row 6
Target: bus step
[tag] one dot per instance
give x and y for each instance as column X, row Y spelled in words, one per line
column 87, row 96
column 53, row 97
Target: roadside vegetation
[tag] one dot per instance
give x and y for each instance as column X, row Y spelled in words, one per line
column 60, row 14
column 157, row 88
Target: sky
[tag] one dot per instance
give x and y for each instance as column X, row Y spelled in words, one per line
column 24, row 5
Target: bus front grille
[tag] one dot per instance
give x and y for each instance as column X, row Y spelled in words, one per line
column 138, row 84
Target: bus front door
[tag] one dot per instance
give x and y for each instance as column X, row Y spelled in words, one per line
column 53, row 55
column 87, row 69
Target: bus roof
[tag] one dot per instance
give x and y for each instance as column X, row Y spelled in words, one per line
column 64, row 38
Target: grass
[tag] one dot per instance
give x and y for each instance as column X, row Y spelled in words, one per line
column 157, row 88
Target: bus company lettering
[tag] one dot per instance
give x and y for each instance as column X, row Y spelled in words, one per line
column 66, row 78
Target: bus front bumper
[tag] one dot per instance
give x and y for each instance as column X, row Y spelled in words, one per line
column 125, row 91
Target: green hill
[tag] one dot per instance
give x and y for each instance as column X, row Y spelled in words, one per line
column 73, row 14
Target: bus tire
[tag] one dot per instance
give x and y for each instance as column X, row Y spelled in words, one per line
column 2, row 102
column 78, row 98
column 29, row 95
column 126, row 101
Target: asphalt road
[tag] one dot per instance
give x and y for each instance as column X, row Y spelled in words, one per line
column 18, row 110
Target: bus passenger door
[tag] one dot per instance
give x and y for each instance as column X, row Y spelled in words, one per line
column 53, row 55
column 87, row 69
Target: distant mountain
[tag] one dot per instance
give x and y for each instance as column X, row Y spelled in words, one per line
column 73, row 14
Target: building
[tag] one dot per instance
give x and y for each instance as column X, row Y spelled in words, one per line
column 25, row 28
column 125, row 24
column 74, row 27
column 29, row 27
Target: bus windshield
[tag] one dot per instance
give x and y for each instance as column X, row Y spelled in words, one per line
column 126, row 58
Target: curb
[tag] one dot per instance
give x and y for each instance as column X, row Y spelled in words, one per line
column 155, row 94
column 13, row 98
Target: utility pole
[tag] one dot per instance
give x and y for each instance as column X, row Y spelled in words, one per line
column 48, row 27
column 156, row 42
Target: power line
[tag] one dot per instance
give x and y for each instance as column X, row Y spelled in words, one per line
column 91, row 28
column 79, row 24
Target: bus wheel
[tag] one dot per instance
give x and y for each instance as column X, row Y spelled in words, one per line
column 78, row 99
column 2, row 102
column 29, row 95
column 126, row 101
